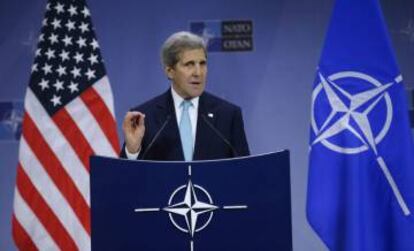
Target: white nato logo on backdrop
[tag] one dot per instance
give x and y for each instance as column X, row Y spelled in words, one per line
column 11, row 118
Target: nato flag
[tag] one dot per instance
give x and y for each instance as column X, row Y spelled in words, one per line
column 361, row 167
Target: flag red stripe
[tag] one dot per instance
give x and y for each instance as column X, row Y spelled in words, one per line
column 103, row 115
column 43, row 212
column 74, row 136
column 56, row 171
column 21, row 238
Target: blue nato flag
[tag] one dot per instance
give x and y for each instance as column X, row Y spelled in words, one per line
column 361, row 163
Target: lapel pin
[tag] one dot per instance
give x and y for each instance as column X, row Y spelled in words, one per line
column 210, row 115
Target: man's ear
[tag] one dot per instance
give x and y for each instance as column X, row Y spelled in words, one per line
column 169, row 71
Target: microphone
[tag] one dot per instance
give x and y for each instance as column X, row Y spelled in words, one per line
column 156, row 136
column 221, row 136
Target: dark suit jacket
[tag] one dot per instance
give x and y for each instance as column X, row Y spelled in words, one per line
column 227, row 120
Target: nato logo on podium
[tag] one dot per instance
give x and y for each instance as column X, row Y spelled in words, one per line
column 237, row 204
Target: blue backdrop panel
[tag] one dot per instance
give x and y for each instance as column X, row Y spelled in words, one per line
column 272, row 83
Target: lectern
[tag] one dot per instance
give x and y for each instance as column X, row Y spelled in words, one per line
column 231, row 204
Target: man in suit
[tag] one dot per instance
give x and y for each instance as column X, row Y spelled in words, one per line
column 184, row 123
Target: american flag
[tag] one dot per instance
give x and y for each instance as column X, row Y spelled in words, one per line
column 69, row 116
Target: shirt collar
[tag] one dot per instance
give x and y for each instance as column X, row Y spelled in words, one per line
column 178, row 100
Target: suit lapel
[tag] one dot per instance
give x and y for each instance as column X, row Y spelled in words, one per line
column 171, row 132
column 204, row 133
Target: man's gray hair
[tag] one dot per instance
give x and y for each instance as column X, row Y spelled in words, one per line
column 177, row 43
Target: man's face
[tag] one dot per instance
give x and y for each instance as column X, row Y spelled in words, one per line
column 188, row 76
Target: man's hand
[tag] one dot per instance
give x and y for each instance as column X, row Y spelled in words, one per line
column 134, row 129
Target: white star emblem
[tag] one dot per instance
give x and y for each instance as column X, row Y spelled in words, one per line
column 53, row 38
column 67, row 40
column 90, row 74
column 78, row 57
column 81, row 42
column 72, row 10
column 47, row 69
column 64, row 55
column 73, row 87
column 37, row 53
column 190, row 208
column 85, row 12
column 44, row 22
column 61, row 70
column 42, row 37
column 75, row 72
column 56, row 100
column 84, row 27
column 94, row 44
column 44, row 84
column 14, row 121
column 93, row 59
column 56, row 24
column 70, row 25
column 34, row 67
column 349, row 108
column 58, row 85
column 350, row 112
column 50, row 53
column 59, row 8
column 409, row 30
column 207, row 35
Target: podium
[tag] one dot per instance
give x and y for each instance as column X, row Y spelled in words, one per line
column 232, row 204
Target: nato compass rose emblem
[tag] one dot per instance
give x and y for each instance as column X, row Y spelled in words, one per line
column 11, row 117
column 190, row 202
column 359, row 118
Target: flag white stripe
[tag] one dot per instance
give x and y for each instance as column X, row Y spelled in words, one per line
column 103, row 88
column 55, row 139
column 31, row 224
column 90, row 128
column 53, row 197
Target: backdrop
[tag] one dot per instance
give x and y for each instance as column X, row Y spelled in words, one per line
column 272, row 83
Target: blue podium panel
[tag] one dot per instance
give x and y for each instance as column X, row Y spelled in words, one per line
column 238, row 204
